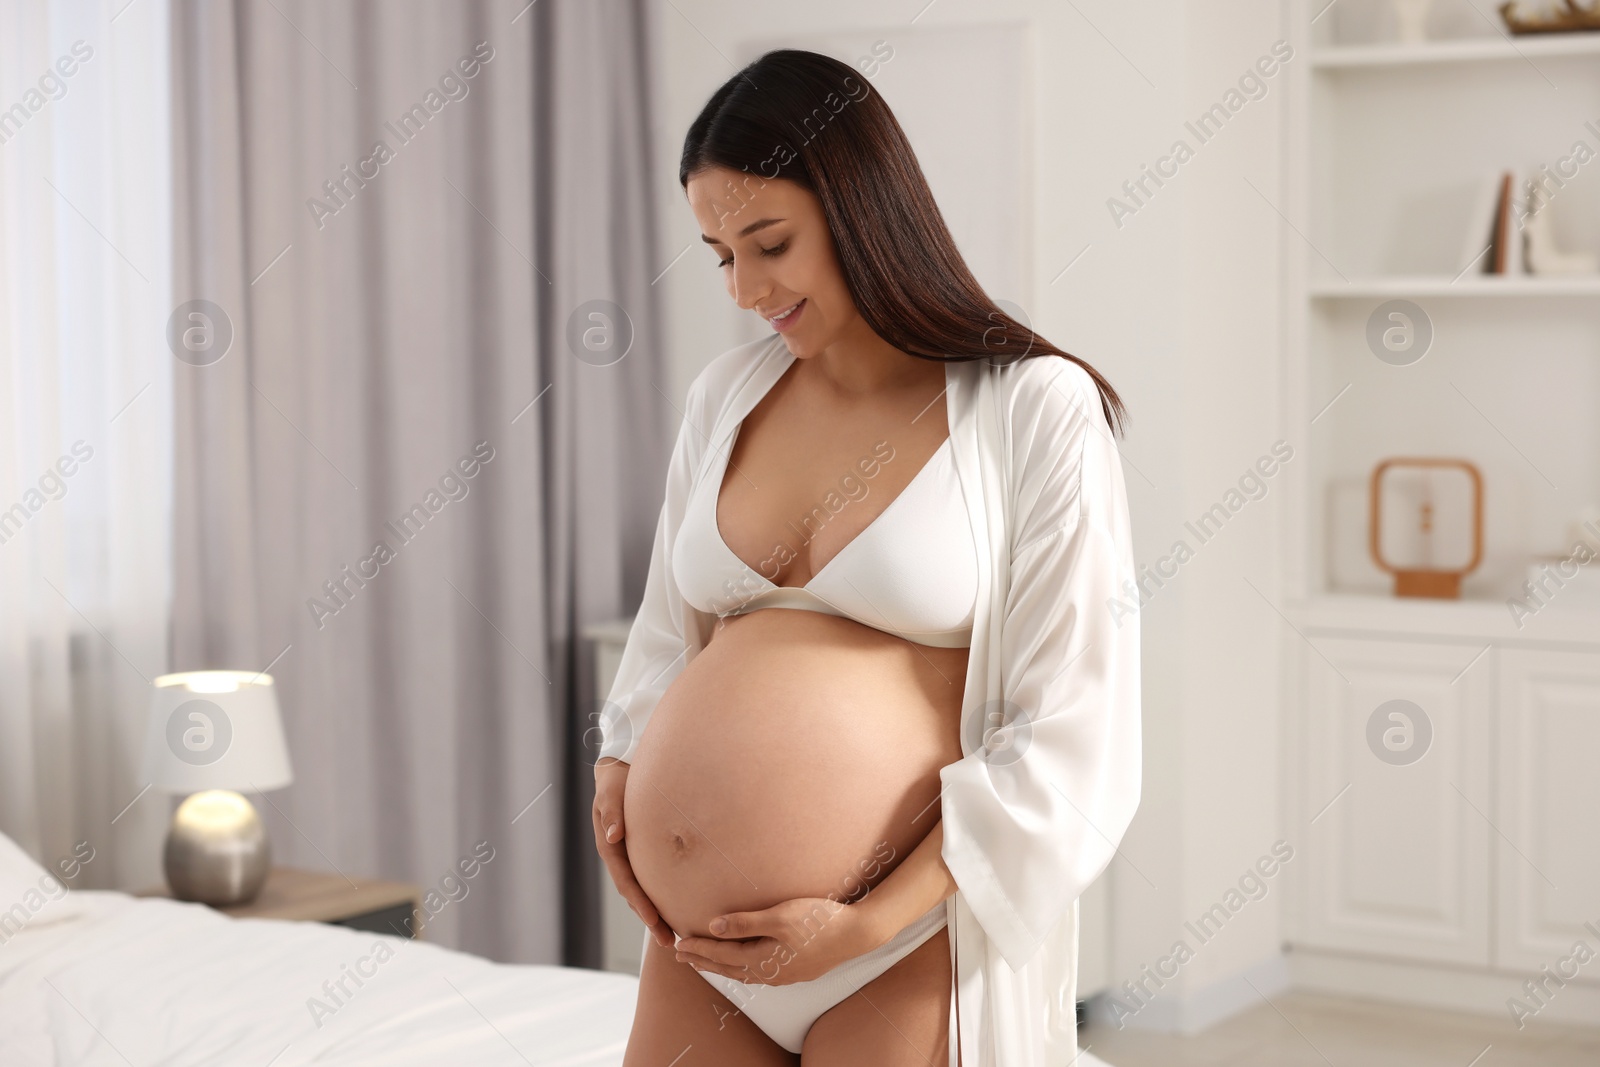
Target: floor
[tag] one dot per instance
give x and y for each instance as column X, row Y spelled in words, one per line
column 1312, row 1030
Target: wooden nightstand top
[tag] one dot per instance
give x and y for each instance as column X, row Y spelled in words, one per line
column 315, row 896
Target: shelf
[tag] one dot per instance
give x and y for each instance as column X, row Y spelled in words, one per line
column 1572, row 621
column 1464, row 50
column 1468, row 285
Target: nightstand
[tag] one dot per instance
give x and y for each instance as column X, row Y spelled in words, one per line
column 318, row 896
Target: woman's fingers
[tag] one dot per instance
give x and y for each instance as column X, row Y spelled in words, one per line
column 609, row 834
column 639, row 900
column 663, row 934
column 615, row 855
column 608, row 814
column 727, row 970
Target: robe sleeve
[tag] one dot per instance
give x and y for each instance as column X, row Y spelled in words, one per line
column 660, row 642
column 1035, row 813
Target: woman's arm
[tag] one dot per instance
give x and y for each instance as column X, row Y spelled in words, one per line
column 655, row 654
column 911, row 889
column 657, row 647
column 1029, row 823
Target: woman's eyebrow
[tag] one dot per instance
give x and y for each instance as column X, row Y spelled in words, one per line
column 759, row 224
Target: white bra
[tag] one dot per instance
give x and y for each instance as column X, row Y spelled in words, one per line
column 913, row 572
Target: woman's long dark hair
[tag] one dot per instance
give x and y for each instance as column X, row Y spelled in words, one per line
column 811, row 119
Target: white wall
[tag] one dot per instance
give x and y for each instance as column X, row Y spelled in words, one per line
column 1178, row 307
column 1229, row 637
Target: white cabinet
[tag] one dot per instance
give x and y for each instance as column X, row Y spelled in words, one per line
column 1396, row 812
column 1481, row 856
column 1547, row 850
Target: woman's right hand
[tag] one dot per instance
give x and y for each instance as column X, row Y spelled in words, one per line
column 610, row 779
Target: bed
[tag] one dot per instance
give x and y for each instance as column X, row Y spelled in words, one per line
column 93, row 978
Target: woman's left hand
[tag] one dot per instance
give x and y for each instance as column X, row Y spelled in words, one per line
column 793, row 941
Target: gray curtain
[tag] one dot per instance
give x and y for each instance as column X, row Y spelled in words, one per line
column 401, row 316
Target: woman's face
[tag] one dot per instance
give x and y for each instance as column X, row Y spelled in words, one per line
column 772, row 245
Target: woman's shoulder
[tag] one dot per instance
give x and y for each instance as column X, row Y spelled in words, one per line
column 1060, row 446
column 715, row 385
column 1047, row 394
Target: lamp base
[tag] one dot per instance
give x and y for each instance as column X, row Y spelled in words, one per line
column 217, row 850
column 1443, row 585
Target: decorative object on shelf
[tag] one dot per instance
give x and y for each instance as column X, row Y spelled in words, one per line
column 210, row 733
column 1562, row 16
column 1542, row 255
column 1411, row 19
column 1419, row 578
column 1570, row 575
column 1494, row 236
column 1481, row 225
column 1554, row 577
column 1507, row 254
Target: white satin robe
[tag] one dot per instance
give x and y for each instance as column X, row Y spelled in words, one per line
column 1034, row 814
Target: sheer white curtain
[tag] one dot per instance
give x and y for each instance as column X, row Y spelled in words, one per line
column 85, row 426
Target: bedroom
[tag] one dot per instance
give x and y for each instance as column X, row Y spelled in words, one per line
column 357, row 357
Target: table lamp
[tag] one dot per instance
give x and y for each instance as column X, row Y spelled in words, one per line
column 211, row 733
column 1415, row 577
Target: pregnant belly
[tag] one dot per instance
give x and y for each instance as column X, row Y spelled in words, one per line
column 797, row 755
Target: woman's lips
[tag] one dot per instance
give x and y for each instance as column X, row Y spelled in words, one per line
column 786, row 322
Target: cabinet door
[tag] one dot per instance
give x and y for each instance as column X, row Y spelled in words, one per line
column 1396, row 804
column 1547, row 850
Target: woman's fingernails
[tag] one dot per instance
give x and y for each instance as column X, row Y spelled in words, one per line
column 610, row 831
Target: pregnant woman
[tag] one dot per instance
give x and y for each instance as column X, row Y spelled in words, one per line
column 876, row 724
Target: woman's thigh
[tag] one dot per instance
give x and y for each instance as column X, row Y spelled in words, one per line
column 900, row 1017
column 680, row 1014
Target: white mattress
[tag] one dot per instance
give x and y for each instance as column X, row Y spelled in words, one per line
column 156, row 981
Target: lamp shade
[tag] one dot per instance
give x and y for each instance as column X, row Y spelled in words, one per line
column 215, row 730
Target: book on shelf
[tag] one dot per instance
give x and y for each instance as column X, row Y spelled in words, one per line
column 1514, row 210
column 1494, row 240
column 1478, row 241
column 1496, row 229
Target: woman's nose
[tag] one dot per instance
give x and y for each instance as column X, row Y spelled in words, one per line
column 749, row 286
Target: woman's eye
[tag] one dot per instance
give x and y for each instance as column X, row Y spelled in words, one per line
column 775, row 250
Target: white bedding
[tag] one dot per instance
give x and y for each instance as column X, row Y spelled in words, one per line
column 153, row 981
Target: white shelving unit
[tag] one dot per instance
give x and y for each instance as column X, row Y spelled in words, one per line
column 1441, row 881
column 1387, row 144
